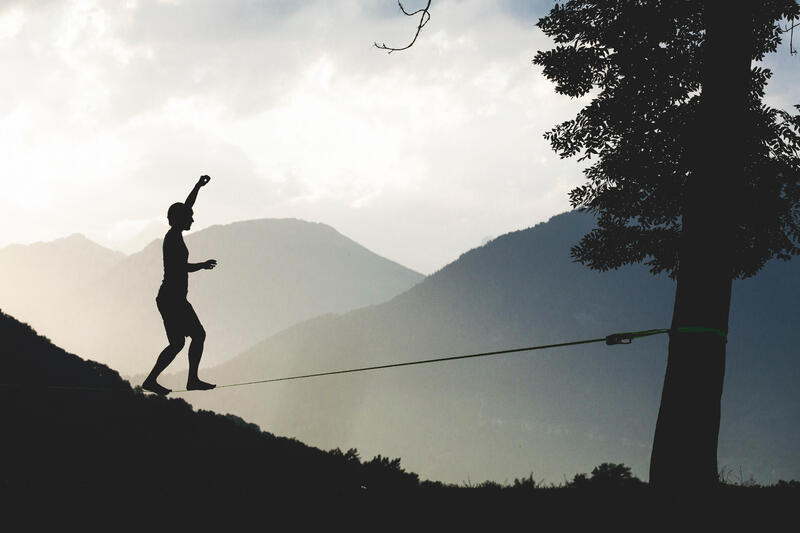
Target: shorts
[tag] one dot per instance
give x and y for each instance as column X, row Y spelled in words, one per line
column 179, row 317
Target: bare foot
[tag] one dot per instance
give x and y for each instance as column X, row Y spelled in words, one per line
column 153, row 386
column 196, row 384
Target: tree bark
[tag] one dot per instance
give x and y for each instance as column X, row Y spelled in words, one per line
column 685, row 443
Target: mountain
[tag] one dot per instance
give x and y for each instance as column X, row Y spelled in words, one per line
column 550, row 412
column 271, row 274
column 38, row 281
column 154, row 230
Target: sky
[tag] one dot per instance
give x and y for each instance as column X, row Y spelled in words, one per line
column 111, row 109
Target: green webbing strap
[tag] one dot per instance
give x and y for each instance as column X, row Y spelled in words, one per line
column 696, row 329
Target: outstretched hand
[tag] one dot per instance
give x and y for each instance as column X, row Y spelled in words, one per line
column 211, row 263
column 203, row 180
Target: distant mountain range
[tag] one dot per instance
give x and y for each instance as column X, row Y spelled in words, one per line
column 153, row 230
column 39, row 282
column 271, row 274
column 550, row 412
column 41, row 271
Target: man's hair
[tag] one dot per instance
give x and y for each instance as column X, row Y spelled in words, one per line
column 177, row 210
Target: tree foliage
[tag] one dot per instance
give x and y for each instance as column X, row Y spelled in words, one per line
column 642, row 63
column 607, row 476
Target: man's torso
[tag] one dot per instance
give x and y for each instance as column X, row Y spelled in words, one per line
column 176, row 258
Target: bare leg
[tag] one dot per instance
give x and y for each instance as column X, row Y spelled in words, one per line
column 195, row 353
column 166, row 356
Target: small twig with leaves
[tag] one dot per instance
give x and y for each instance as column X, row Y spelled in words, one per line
column 423, row 20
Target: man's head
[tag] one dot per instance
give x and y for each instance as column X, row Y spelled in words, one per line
column 180, row 216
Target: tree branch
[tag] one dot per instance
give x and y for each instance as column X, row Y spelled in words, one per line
column 790, row 29
column 423, row 20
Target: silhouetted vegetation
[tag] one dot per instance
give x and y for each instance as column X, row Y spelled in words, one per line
column 606, row 476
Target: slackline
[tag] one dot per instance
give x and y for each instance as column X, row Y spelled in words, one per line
column 614, row 338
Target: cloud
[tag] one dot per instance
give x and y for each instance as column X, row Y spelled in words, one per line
column 114, row 108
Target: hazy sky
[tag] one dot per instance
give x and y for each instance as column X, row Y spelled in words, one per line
column 110, row 110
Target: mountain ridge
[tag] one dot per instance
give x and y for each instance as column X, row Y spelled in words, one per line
column 272, row 273
column 579, row 405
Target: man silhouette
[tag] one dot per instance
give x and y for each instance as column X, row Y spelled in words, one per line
column 180, row 320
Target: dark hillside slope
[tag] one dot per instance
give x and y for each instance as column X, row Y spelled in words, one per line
column 74, row 428
column 80, row 445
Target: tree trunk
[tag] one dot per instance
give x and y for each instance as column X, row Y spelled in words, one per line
column 685, row 443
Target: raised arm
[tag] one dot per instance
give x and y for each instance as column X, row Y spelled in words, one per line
column 193, row 195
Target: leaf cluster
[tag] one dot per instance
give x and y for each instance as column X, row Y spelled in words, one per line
column 607, row 476
column 642, row 63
